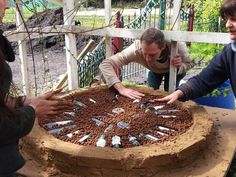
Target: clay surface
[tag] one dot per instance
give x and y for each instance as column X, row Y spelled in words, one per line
column 89, row 160
column 103, row 114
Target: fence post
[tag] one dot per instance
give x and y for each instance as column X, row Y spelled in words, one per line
column 70, row 41
column 162, row 14
column 22, row 50
column 108, row 14
column 174, row 44
column 118, row 42
column 191, row 18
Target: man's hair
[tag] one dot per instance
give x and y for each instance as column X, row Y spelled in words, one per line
column 153, row 35
column 228, row 9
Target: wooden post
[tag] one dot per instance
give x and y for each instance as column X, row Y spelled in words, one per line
column 70, row 41
column 174, row 46
column 191, row 18
column 173, row 69
column 63, row 81
column 107, row 22
column 22, row 49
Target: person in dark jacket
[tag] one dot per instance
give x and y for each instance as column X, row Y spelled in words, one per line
column 17, row 114
column 221, row 68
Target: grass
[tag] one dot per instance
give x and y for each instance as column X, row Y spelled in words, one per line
column 91, row 21
column 10, row 15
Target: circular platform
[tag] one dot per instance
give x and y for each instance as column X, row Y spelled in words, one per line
column 89, row 160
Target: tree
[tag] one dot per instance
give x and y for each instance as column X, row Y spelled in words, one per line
column 207, row 14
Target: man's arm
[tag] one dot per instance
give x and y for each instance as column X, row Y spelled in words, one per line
column 127, row 92
column 117, row 61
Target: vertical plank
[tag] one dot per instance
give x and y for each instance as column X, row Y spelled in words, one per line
column 70, row 41
column 174, row 46
column 107, row 15
column 175, row 21
column 22, row 50
column 173, row 70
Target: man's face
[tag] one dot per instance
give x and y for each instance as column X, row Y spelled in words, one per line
column 151, row 51
column 231, row 27
column 4, row 4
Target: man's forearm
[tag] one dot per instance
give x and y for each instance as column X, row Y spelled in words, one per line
column 118, row 86
column 109, row 74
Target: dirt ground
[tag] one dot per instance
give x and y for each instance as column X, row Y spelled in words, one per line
column 47, row 72
column 49, row 53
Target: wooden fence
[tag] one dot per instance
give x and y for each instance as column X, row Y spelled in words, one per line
column 69, row 30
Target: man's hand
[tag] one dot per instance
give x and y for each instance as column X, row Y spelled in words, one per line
column 48, row 105
column 169, row 98
column 130, row 93
column 176, row 61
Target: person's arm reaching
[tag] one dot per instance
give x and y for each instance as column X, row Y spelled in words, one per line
column 127, row 92
column 202, row 83
column 48, row 104
column 44, row 105
column 170, row 98
column 117, row 61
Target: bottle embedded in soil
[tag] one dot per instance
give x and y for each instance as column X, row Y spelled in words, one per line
column 116, row 142
column 123, row 125
column 70, row 135
column 101, row 141
column 85, row 137
column 51, row 124
column 144, row 104
column 79, row 104
column 115, row 98
column 133, row 140
column 98, row 122
column 149, row 137
column 57, row 131
column 108, row 128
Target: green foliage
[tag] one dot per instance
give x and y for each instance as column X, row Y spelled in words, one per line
column 219, row 92
column 129, row 84
column 205, row 8
column 199, row 51
column 91, row 21
column 206, row 14
column 10, row 15
column 100, row 3
column 95, row 3
column 207, row 52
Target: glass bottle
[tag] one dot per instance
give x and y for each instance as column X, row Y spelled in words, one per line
column 133, row 140
column 116, row 142
column 101, row 141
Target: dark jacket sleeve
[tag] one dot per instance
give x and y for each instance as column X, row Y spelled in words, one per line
column 208, row 79
column 6, row 48
column 14, row 125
